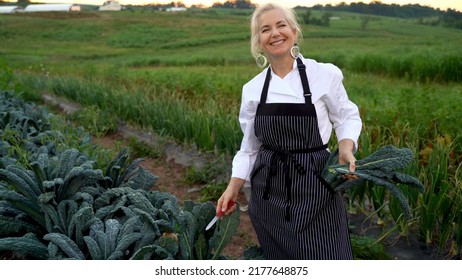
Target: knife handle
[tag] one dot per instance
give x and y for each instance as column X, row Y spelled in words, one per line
column 230, row 204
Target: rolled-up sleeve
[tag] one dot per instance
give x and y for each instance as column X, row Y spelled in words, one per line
column 245, row 158
column 343, row 113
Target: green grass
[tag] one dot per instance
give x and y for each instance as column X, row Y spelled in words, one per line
column 199, row 60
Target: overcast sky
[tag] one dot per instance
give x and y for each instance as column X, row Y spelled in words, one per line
column 442, row 4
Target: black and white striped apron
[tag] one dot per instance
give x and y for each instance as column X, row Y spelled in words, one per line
column 295, row 215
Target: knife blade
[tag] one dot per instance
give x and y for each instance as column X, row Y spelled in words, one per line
column 219, row 215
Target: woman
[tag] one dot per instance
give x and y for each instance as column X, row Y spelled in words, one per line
column 287, row 115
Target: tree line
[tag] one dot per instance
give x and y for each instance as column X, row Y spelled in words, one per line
column 235, row 4
column 424, row 14
column 381, row 9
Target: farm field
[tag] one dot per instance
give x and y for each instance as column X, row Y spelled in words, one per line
column 180, row 75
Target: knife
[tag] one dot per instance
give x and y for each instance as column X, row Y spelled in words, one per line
column 219, row 215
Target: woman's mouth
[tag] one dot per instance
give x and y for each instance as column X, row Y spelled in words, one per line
column 278, row 42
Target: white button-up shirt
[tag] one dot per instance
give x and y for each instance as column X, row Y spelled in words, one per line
column 333, row 108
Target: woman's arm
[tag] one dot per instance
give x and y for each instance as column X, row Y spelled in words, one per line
column 244, row 159
column 343, row 114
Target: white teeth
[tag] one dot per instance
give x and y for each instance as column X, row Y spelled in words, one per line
column 277, row 42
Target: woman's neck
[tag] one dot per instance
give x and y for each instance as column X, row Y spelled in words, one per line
column 282, row 66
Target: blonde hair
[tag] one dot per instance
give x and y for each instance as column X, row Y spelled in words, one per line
column 289, row 15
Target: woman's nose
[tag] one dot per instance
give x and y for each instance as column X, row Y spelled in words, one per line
column 274, row 32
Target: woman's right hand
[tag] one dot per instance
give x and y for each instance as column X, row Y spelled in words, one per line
column 230, row 194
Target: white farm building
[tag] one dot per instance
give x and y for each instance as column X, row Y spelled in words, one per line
column 110, row 6
column 176, row 9
column 9, row 9
column 52, row 8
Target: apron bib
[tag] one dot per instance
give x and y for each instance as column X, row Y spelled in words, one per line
column 291, row 207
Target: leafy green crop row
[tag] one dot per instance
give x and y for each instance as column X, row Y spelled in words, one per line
column 55, row 205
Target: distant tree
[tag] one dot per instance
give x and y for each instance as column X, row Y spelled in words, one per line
column 23, row 3
column 359, row 8
column 228, row 4
column 364, row 21
column 452, row 18
column 217, row 5
column 306, row 17
column 309, row 19
column 234, row 4
column 244, row 4
column 325, row 19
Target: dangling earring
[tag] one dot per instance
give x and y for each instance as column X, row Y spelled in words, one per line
column 295, row 51
column 261, row 61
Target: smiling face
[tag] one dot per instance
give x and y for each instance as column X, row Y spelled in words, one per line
column 276, row 37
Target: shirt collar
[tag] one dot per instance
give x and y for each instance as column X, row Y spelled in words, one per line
column 294, row 65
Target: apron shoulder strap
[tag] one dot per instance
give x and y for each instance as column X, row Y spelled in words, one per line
column 264, row 92
column 306, row 87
